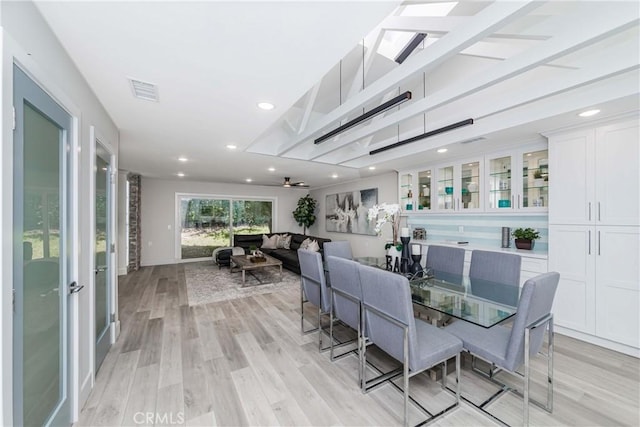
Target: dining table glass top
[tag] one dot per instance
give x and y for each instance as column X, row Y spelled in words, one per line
column 478, row 301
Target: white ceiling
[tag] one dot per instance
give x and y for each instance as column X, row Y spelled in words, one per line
column 517, row 68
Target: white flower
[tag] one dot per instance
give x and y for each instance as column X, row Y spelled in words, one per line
column 391, row 213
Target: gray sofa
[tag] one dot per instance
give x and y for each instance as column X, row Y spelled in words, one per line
column 289, row 257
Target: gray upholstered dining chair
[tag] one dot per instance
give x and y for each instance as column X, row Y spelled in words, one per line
column 445, row 259
column 496, row 267
column 387, row 312
column 346, row 298
column 339, row 248
column 313, row 289
column 511, row 348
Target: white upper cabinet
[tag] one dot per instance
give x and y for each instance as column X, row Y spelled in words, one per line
column 599, row 175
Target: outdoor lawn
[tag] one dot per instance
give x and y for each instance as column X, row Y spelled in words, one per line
column 200, row 242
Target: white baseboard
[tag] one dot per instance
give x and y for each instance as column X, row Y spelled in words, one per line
column 591, row 339
column 85, row 390
column 122, row 271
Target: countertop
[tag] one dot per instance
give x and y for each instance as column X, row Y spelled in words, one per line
column 469, row 247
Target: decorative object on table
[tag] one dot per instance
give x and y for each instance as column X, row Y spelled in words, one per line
column 416, row 256
column 404, row 238
column 348, row 212
column 419, row 233
column 506, row 237
column 305, row 213
column 448, row 190
column 253, row 249
column 390, row 213
column 525, row 237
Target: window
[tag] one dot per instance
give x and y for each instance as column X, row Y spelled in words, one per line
column 209, row 222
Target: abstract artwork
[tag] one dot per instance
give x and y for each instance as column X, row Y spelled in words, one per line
column 347, row 212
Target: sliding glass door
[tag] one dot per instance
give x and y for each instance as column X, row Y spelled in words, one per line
column 208, row 222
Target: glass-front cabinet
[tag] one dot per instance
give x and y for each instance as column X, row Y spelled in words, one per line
column 446, row 196
column 510, row 181
column 470, row 195
column 518, row 180
column 535, row 176
column 424, row 190
column 406, row 191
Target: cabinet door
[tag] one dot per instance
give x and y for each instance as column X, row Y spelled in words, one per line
column 617, row 200
column 618, row 284
column 534, row 191
column 405, row 191
column 572, row 168
column 500, row 183
column 445, row 187
column 470, row 185
column 571, row 253
column 424, row 190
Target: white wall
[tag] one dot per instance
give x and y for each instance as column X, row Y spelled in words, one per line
column 28, row 41
column 158, row 211
column 361, row 245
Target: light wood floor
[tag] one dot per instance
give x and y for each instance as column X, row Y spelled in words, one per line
column 244, row 362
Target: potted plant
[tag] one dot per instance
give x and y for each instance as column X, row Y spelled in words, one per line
column 253, row 249
column 305, row 212
column 525, row 237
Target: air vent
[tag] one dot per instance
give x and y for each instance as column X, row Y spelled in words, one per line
column 144, row 90
column 469, row 141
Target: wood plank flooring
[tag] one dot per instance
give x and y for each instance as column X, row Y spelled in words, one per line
column 244, row 362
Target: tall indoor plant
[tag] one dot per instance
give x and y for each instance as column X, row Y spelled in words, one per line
column 305, row 213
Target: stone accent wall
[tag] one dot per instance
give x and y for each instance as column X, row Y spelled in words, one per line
column 135, row 244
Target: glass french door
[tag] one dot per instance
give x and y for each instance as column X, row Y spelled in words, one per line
column 102, row 251
column 42, row 254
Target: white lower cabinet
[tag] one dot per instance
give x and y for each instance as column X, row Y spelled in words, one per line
column 599, row 290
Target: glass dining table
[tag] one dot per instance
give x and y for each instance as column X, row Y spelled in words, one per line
column 482, row 302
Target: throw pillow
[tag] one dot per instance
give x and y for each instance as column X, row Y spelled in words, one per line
column 314, row 246
column 286, row 242
column 305, row 243
column 269, row 242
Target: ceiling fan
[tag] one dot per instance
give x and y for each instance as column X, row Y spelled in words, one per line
column 288, row 184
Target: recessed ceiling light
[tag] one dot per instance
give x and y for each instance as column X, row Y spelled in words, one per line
column 180, row 174
column 248, row 180
column 528, row 154
column 182, row 159
column 272, row 169
column 231, row 146
column 372, row 168
column 589, row 113
column 266, row 106
column 335, row 175
column 442, row 150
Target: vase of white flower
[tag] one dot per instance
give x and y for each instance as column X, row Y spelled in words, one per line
column 382, row 214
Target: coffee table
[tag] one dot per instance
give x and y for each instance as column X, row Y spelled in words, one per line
column 244, row 263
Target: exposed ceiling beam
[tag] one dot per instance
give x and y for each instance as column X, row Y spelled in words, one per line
column 612, row 64
column 485, row 23
column 308, row 106
column 570, row 40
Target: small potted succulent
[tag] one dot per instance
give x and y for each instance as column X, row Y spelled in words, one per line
column 525, row 237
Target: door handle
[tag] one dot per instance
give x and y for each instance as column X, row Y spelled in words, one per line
column 589, row 242
column 589, row 211
column 101, row 269
column 74, row 288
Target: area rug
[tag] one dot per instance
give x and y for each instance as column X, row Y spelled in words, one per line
column 206, row 283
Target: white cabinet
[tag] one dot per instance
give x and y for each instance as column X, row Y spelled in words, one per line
column 617, row 273
column 598, row 169
column 594, row 232
column 458, row 186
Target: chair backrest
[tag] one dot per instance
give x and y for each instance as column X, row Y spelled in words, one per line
column 390, row 294
column 313, row 280
column 496, row 267
column 535, row 302
column 345, row 278
column 445, row 259
column 340, row 248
